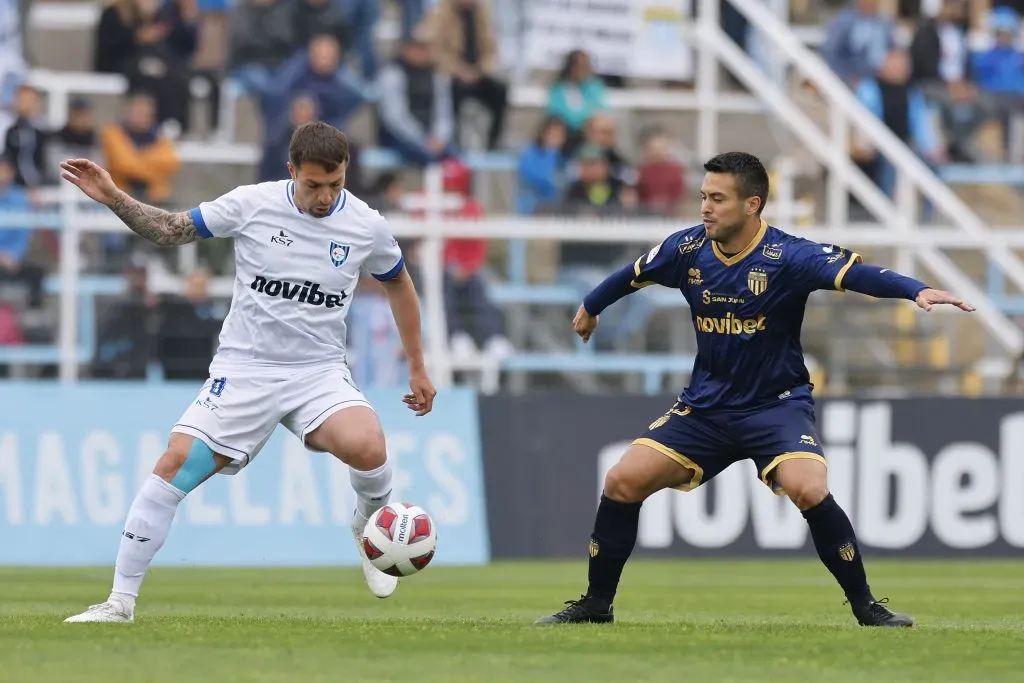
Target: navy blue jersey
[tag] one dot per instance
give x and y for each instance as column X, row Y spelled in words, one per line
column 747, row 310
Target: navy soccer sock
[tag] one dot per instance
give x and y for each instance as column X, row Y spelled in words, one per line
column 611, row 543
column 836, row 544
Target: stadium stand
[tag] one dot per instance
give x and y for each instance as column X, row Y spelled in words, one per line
column 639, row 132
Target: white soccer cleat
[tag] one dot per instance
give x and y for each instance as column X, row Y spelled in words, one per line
column 381, row 584
column 110, row 612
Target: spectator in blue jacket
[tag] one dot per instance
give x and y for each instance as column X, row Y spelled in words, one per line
column 540, row 168
column 14, row 242
column 1000, row 70
column 273, row 164
column 318, row 73
column 857, row 41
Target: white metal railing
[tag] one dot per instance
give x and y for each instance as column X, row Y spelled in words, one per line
column 832, row 150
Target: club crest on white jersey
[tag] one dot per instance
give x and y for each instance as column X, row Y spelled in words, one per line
column 339, row 254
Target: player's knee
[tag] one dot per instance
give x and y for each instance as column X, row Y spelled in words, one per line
column 807, row 493
column 362, row 448
column 353, row 436
column 188, row 462
column 623, row 485
column 370, row 455
column 171, row 462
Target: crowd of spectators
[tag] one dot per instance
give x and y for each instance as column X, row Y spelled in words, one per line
column 299, row 60
column 923, row 78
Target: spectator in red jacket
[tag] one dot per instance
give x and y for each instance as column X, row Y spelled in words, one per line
column 661, row 183
column 473, row 319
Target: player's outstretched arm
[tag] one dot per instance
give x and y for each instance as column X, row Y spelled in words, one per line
column 612, row 288
column 883, row 283
column 405, row 307
column 164, row 228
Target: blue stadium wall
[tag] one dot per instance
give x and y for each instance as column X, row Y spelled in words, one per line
column 503, row 477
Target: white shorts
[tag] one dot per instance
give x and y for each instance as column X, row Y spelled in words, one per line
column 236, row 414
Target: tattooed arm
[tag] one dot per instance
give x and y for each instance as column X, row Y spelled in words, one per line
column 160, row 227
column 156, row 225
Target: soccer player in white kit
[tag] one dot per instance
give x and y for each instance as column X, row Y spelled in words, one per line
column 300, row 245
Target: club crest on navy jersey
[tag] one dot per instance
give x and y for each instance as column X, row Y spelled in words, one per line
column 339, row 253
column 757, row 281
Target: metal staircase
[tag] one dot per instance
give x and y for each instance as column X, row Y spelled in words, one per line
column 894, row 220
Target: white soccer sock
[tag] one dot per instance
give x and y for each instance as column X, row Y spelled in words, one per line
column 145, row 531
column 373, row 489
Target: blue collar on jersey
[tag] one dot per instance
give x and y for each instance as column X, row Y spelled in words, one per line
column 745, row 252
column 339, row 203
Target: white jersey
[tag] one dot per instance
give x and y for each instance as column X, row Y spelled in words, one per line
column 294, row 274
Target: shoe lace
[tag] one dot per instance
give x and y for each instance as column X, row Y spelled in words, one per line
column 575, row 608
column 101, row 606
column 878, row 608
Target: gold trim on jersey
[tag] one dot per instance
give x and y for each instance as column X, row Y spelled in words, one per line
column 796, row 455
column 854, row 258
column 746, row 251
column 636, row 274
column 698, row 471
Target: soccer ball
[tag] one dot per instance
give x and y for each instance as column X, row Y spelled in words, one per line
column 399, row 539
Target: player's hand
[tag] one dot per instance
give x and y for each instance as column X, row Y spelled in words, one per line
column 90, row 178
column 584, row 324
column 930, row 297
column 421, row 400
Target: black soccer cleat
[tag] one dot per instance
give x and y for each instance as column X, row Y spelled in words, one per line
column 586, row 610
column 871, row 612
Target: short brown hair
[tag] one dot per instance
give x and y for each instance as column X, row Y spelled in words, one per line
column 319, row 143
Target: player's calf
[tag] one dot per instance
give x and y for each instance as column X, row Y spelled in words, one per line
column 641, row 472
column 355, row 437
column 187, row 463
column 804, row 481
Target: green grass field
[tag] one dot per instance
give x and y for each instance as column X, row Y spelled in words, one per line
column 677, row 621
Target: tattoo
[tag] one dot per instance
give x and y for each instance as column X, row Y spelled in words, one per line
column 163, row 228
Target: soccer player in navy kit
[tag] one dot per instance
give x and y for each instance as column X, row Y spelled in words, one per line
column 749, row 396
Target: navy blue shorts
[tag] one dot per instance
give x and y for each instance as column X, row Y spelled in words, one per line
column 708, row 441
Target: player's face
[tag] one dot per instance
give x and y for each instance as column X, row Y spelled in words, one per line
column 724, row 211
column 316, row 190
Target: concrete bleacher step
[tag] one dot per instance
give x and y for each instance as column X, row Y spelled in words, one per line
column 996, row 205
column 878, row 333
column 923, row 380
column 65, row 46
